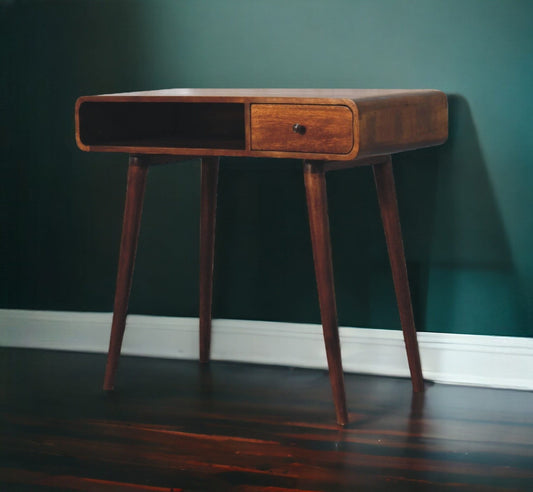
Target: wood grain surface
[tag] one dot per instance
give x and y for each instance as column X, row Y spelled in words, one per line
column 220, row 123
column 326, row 129
column 390, row 217
column 208, row 208
column 131, row 226
column 183, row 426
column 317, row 208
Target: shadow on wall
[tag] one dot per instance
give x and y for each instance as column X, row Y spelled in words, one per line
column 461, row 269
column 460, row 266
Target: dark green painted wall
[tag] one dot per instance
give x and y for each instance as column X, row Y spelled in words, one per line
column 466, row 207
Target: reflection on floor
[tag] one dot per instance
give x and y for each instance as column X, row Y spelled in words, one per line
column 175, row 425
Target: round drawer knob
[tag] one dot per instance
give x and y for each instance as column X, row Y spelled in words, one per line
column 297, row 128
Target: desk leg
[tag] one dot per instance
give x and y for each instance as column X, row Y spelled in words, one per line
column 386, row 190
column 137, row 172
column 207, row 250
column 315, row 186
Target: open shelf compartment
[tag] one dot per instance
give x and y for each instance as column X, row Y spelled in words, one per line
column 162, row 124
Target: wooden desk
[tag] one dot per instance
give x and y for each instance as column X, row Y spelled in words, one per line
column 328, row 129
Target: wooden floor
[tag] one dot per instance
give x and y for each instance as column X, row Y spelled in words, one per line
column 173, row 425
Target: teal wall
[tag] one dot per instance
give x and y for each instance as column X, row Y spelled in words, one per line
column 466, row 206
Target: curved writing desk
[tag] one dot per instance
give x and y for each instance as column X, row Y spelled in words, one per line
column 328, row 129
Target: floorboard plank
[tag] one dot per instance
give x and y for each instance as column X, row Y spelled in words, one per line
column 180, row 426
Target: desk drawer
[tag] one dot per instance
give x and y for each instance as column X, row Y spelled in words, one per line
column 302, row 128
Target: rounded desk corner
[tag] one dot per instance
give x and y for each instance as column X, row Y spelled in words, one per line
column 77, row 106
column 80, row 144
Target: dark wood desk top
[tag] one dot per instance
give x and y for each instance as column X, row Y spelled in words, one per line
column 329, row 124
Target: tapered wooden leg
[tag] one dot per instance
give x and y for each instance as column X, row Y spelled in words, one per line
column 207, row 250
column 137, row 172
column 386, row 190
column 315, row 186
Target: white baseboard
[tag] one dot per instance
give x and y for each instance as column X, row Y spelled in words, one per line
column 477, row 360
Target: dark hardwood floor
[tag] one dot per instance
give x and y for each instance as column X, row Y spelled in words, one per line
column 175, row 425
